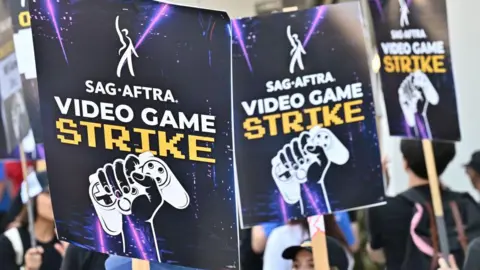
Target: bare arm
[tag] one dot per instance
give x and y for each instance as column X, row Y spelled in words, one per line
column 376, row 255
column 119, row 33
column 289, row 35
column 259, row 239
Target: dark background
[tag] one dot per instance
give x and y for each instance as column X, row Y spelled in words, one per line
column 188, row 51
column 337, row 45
column 432, row 16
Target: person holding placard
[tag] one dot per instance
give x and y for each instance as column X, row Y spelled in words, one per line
column 409, row 215
column 472, row 169
column 472, row 258
column 291, row 234
column 302, row 257
column 295, row 233
column 16, row 251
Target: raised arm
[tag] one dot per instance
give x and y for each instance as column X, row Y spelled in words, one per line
column 119, row 33
column 290, row 38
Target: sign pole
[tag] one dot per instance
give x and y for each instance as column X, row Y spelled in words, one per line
column 23, row 162
column 319, row 242
column 138, row 264
column 436, row 197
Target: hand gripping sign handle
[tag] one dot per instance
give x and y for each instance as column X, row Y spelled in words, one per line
column 319, row 242
column 436, row 197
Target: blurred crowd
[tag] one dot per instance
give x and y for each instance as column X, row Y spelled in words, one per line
column 400, row 235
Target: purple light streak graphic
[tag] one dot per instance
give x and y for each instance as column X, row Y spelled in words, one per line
column 379, row 7
column 311, row 199
column 51, row 10
column 136, row 238
column 161, row 11
column 103, row 249
column 320, row 12
column 283, row 207
column 408, row 130
column 238, row 34
column 421, row 127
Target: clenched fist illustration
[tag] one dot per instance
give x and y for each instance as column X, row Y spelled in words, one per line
column 291, row 164
column 116, row 187
column 415, row 91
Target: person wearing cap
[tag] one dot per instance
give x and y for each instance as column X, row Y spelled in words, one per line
column 472, row 169
column 16, row 251
column 472, row 256
column 295, row 233
column 302, row 256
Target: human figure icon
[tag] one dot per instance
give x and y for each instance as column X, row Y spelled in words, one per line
column 128, row 50
column 404, row 11
column 297, row 51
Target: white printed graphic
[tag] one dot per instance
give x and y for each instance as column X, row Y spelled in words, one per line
column 127, row 48
column 297, row 51
column 291, row 164
column 18, row 111
column 133, row 178
column 404, row 11
column 417, row 87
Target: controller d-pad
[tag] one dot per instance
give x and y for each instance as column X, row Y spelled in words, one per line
column 102, row 197
column 105, row 199
column 283, row 175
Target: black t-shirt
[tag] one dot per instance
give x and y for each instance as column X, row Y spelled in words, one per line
column 77, row 258
column 248, row 258
column 389, row 226
column 51, row 258
column 472, row 260
column 12, row 213
column 338, row 256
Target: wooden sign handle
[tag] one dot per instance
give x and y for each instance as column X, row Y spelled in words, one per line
column 319, row 242
column 138, row 264
column 436, row 197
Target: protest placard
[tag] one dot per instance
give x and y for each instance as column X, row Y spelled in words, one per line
column 22, row 38
column 15, row 123
column 417, row 77
column 305, row 132
column 135, row 105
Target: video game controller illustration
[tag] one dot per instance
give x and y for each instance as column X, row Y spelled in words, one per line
column 114, row 187
column 167, row 183
column 291, row 164
column 414, row 88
